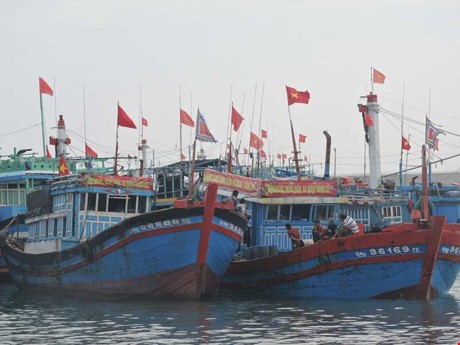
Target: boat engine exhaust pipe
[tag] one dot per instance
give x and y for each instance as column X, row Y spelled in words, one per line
column 327, row 164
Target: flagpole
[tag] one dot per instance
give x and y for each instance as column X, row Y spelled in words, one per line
column 407, row 158
column 252, row 121
column 43, row 124
column 260, row 127
column 296, row 160
column 180, row 127
column 372, row 81
column 402, row 133
column 55, row 102
column 115, row 170
column 192, row 173
column 229, row 157
column 84, row 117
column 141, row 115
column 229, row 129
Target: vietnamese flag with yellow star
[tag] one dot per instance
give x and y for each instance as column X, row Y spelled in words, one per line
column 63, row 168
column 295, row 96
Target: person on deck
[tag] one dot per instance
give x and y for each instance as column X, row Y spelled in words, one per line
column 319, row 232
column 294, row 235
column 348, row 226
column 242, row 207
column 233, row 198
column 331, row 228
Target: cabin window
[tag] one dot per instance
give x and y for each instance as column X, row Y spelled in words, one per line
column 142, row 204
column 301, row 212
column 64, row 226
column 132, row 204
column 102, row 203
column 117, row 203
column 272, row 213
column 92, row 201
column 323, row 212
column 82, row 201
column 285, row 212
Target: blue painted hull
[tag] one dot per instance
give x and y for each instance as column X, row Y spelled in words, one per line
column 154, row 255
column 386, row 265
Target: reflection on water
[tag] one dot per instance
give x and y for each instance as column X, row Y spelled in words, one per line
column 226, row 319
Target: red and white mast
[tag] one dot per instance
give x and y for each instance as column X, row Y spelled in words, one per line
column 374, row 142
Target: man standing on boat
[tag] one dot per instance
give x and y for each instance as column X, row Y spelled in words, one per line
column 233, row 198
column 294, row 235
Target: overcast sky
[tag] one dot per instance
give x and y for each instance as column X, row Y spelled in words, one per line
column 213, row 49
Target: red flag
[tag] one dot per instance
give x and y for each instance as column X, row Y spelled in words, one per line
column 368, row 120
column 48, row 154
column 124, row 120
column 295, row 96
column 284, row 156
column 305, row 158
column 63, row 168
column 186, row 119
column 245, row 151
column 264, row 134
column 302, row 138
column 44, row 87
column 278, row 155
column 378, row 77
column 145, row 123
column 255, row 142
column 89, row 152
column 405, row 144
column 237, row 119
column 182, row 157
column 263, row 154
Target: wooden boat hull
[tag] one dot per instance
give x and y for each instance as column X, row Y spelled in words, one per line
column 172, row 253
column 402, row 261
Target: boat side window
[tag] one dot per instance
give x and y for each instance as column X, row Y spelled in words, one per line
column 272, row 212
column 142, row 204
column 55, row 227
column 301, row 212
column 92, row 201
column 64, row 226
column 321, row 212
column 117, row 203
column 285, row 212
column 102, row 203
column 82, row 201
column 132, row 204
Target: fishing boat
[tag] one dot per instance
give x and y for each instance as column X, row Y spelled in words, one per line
column 93, row 234
column 414, row 260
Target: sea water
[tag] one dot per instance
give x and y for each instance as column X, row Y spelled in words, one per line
column 26, row 318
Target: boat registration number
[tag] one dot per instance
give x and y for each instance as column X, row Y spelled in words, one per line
column 387, row 251
column 164, row 224
column 232, row 227
column 450, row 250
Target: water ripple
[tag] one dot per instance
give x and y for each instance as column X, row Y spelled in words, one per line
column 226, row 319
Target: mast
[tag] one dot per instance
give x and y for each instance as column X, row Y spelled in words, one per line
column 402, row 133
column 115, row 171
column 296, row 160
column 229, row 133
column 43, row 125
column 425, row 208
column 374, row 142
